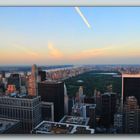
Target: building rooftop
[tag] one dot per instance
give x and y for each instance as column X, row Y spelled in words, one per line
column 51, row 82
column 47, row 127
column 131, row 75
column 19, row 96
column 6, row 124
column 75, row 120
column 78, row 105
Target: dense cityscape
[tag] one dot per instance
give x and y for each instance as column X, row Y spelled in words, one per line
column 69, row 70
column 39, row 100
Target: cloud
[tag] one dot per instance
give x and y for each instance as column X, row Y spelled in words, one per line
column 26, row 50
column 91, row 53
column 48, row 54
column 109, row 52
column 54, row 53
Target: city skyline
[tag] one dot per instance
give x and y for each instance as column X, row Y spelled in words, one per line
column 58, row 35
column 79, row 100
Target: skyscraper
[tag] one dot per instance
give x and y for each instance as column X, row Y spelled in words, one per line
column 66, row 99
column 108, row 108
column 3, row 74
column 130, row 86
column 42, row 75
column 11, row 89
column 131, row 113
column 118, row 122
column 53, row 91
column 79, row 95
column 47, row 109
column 32, row 82
column 27, row 110
column 15, row 79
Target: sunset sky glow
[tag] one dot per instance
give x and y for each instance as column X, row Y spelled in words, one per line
column 58, row 35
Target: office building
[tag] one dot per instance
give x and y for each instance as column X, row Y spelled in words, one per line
column 32, row 82
column 15, row 79
column 85, row 111
column 131, row 116
column 47, row 109
column 23, row 90
column 70, row 105
column 118, row 122
column 25, row 109
column 130, row 86
column 89, row 100
column 79, row 95
column 66, row 99
column 46, row 127
column 3, row 74
column 2, row 88
column 23, row 80
column 75, row 120
column 77, row 110
column 11, row 89
column 4, row 82
column 42, row 75
column 108, row 108
column 98, row 102
column 9, row 126
column 53, row 91
column 91, row 113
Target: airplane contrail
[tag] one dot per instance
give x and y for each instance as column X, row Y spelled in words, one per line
column 83, row 17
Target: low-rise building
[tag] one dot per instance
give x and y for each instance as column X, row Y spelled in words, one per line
column 9, row 126
column 47, row 127
column 74, row 120
column 23, row 108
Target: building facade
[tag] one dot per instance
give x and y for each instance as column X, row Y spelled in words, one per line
column 15, row 79
column 47, row 111
column 130, row 86
column 27, row 110
column 108, row 108
column 9, row 126
column 32, row 82
column 53, row 91
column 131, row 116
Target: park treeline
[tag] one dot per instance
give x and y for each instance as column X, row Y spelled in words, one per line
column 93, row 80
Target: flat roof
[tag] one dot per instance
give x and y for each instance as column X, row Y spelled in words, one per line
column 19, row 98
column 51, row 82
column 108, row 93
column 47, row 103
column 77, row 105
column 47, row 127
column 75, row 120
column 6, row 124
column 131, row 75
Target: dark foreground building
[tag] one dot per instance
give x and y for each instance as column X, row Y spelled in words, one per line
column 131, row 113
column 42, row 75
column 47, row 110
column 26, row 110
column 9, row 126
column 53, row 91
column 15, row 79
column 131, row 86
column 108, row 109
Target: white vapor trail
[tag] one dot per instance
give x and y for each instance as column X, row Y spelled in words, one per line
column 82, row 16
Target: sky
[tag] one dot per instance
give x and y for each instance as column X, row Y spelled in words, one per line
column 59, row 35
